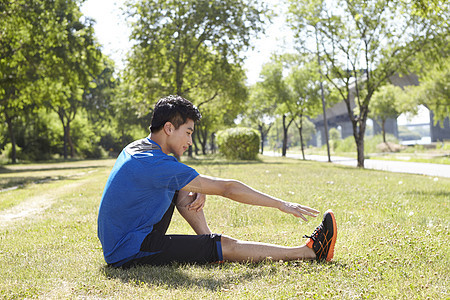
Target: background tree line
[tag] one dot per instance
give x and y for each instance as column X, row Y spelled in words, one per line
column 60, row 96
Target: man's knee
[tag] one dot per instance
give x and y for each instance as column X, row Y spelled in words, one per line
column 183, row 199
column 228, row 244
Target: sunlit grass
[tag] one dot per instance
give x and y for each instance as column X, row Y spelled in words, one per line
column 393, row 236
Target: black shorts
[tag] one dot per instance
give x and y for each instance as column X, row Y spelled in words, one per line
column 161, row 249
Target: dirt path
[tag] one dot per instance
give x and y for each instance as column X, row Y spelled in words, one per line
column 34, row 205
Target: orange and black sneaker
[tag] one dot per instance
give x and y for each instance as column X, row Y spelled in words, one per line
column 323, row 239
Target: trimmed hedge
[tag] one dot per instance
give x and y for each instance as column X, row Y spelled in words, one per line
column 238, row 143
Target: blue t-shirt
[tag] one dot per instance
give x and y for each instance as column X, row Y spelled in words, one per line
column 138, row 192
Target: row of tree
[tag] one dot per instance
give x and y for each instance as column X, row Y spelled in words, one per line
column 60, row 94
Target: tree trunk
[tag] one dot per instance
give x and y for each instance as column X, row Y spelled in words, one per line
column 65, row 141
column 300, row 131
column 325, row 122
column 359, row 139
column 69, row 141
column 12, row 138
column 204, row 140
column 194, row 143
column 285, row 135
column 360, row 151
column 261, row 133
column 383, row 129
column 213, row 144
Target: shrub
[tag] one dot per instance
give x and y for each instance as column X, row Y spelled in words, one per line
column 335, row 138
column 238, row 143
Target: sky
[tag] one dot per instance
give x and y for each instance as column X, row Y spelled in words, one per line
column 112, row 32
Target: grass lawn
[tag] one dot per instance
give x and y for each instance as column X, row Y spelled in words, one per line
column 393, row 235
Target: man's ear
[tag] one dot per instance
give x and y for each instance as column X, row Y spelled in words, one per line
column 168, row 128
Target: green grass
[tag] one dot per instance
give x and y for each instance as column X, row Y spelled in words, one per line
column 393, row 236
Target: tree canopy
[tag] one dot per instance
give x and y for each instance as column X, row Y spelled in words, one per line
column 363, row 44
column 59, row 95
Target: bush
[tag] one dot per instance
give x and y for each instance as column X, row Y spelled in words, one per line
column 334, row 138
column 372, row 144
column 346, row 145
column 238, row 143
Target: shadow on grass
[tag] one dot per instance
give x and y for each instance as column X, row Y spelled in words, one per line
column 7, row 170
column 7, row 183
column 217, row 161
column 178, row 276
column 12, row 183
column 173, row 276
column 435, row 193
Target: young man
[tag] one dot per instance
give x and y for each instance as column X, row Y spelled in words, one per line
column 146, row 184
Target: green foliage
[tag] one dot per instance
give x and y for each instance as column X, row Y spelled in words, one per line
column 6, row 153
column 238, row 143
column 391, row 36
column 434, row 88
column 293, row 137
column 334, row 136
column 405, row 134
column 38, row 135
column 347, row 145
column 48, row 56
column 372, row 143
column 385, row 103
column 189, row 47
column 444, row 146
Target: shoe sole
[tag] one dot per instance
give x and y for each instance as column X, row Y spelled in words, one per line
column 330, row 253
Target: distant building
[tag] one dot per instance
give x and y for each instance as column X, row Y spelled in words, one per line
column 337, row 117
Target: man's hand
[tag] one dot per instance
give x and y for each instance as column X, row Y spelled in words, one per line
column 298, row 210
column 198, row 201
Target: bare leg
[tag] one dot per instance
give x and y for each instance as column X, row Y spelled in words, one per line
column 242, row 251
column 236, row 250
column 196, row 219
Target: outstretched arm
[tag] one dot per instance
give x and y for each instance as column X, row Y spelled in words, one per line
column 237, row 191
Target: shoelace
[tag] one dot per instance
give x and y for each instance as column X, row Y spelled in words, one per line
column 315, row 233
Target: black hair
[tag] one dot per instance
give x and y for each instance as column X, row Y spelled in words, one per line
column 174, row 109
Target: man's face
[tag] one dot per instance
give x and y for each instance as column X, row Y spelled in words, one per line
column 181, row 138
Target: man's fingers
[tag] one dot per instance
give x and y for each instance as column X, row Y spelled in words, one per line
column 301, row 211
column 303, row 217
column 310, row 211
column 198, row 203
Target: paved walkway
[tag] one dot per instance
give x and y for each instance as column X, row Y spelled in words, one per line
column 429, row 169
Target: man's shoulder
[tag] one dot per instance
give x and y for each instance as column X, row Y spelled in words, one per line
column 141, row 146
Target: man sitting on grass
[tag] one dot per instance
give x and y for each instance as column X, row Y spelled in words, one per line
column 146, row 184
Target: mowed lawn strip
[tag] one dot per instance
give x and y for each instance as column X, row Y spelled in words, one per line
column 393, row 236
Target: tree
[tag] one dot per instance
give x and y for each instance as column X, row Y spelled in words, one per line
column 306, row 33
column 434, row 89
column 363, row 44
column 25, row 31
column 303, row 80
column 179, row 43
column 259, row 112
column 46, row 51
column 275, row 89
column 385, row 105
column 220, row 101
column 71, row 66
column 190, row 48
column 98, row 97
